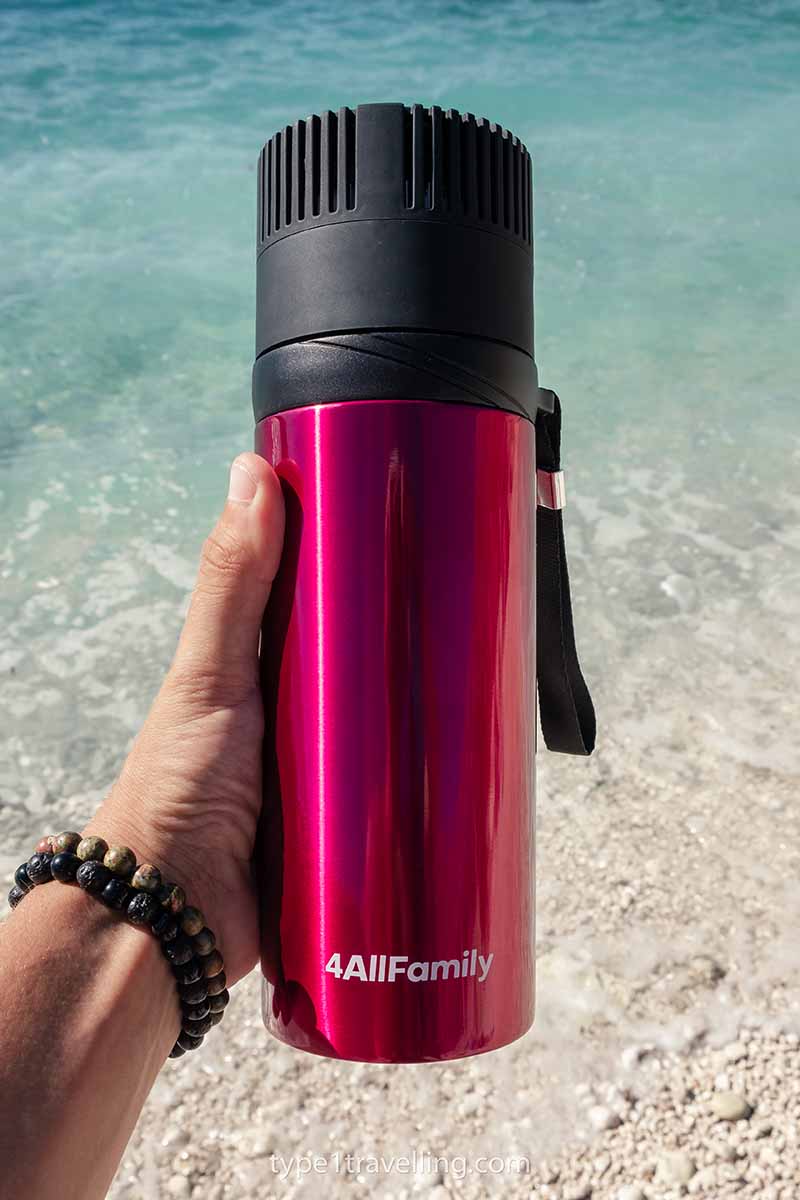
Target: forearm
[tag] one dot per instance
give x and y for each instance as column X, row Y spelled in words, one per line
column 89, row 1015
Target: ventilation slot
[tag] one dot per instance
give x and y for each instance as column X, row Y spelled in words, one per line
column 312, row 150
column 331, row 137
column 427, row 159
column 441, row 160
column 528, row 200
column 276, row 179
column 260, row 208
column 469, row 165
column 287, row 174
column 408, row 160
column 485, row 172
column 508, row 183
column 348, row 124
column 299, row 163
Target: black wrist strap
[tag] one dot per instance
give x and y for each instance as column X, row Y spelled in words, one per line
column 565, row 706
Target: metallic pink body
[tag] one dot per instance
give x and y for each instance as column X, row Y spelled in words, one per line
column 399, row 677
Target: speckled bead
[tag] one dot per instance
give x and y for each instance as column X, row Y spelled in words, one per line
column 219, row 1003
column 188, row 1042
column 92, row 876
column 216, row 985
column 172, row 897
column 38, row 868
column 121, row 860
column 66, row 842
column 64, row 866
column 45, row 844
column 22, row 879
column 146, row 878
column 196, row 1012
column 198, row 1028
column 142, row 909
column 177, row 1051
column 116, row 894
column 165, row 927
column 204, row 942
column 212, row 964
column 194, row 993
column 178, row 951
column 91, row 849
column 192, row 920
column 16, row 896
column 188, row 972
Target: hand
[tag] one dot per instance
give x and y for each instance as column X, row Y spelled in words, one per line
column 189, row 795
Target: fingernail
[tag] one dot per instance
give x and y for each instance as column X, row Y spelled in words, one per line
column 241, row 486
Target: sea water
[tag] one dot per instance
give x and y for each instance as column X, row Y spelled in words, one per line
column 667, row 191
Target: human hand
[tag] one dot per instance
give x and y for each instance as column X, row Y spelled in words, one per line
column 189, row 794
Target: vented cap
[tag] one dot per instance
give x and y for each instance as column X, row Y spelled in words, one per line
column 394, row 218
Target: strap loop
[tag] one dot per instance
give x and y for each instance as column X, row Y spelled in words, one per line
column 566, row 710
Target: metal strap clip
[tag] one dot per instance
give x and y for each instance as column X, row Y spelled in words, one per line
column 551, row 489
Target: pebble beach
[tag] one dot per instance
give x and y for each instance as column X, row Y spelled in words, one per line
column 664, row 1058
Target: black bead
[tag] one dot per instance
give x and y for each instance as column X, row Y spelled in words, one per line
column 196, row 1012
column 217, row 1017
column 165, row 926
column 178, row 951
column 216, row 984
column 188, row 1042
column 65, row 866
column 188, row 972
column 199, row 1028
column 204, row 941
column 116, row 893
column 177, row 1051
column 219, row 1002
column 92, row 876
column 15, row 896
column 22, row 879
column 38, row 868
column 193, row 993
column 142, row 909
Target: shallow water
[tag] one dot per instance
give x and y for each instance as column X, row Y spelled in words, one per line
column 667, row 303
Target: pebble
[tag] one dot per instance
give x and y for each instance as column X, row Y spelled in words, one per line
column 175, row 1135
column 179, row 1186
column 631, row 1191
column 578, row 1191
column 704, row 1180
column 724, row 1150
column 470, row 1105
column 601, row 1117
column 735, row 1052
column 730, row 1106
column 675, row 1167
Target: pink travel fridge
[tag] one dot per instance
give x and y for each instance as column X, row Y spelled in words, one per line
column 396, row 395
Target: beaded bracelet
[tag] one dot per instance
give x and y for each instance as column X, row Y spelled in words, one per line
column 112, row 874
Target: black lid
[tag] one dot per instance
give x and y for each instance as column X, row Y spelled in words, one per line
column 395, row 219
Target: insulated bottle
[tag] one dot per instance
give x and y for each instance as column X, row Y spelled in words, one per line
column 396, row 395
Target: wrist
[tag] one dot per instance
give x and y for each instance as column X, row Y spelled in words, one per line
column 129, row 976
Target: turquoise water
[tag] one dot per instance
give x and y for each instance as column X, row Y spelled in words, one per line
column 667, row 177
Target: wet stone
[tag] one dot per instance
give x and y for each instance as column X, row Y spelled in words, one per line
column 146, row 878
column 121, row 860
column 91, row 849
column 66, row 842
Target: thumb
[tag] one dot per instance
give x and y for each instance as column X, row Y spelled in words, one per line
column 217, row 654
